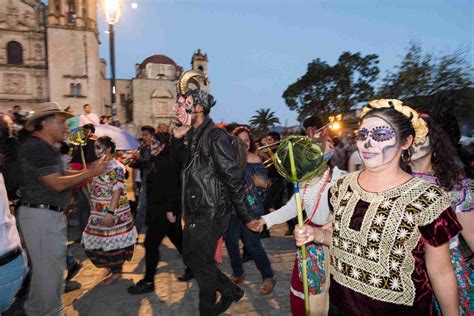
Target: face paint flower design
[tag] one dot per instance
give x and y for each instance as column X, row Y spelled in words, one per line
column 377, row 142
column 181, row 108
column 99, row 149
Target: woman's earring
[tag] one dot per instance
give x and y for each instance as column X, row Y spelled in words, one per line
column 406, row 155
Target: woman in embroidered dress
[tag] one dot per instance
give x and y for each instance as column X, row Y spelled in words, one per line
column 110, row 234
column 315, row 202
column 433, row 160
column 255, row 172
column 389, row 244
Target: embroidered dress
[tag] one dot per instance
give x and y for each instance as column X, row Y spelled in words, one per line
column 461, row 199
column 109, row 246
column 378, row 246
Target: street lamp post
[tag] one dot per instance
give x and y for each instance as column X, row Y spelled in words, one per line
column 112, row 10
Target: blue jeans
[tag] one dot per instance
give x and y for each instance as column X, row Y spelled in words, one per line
column 253, row 245
column 11, row 278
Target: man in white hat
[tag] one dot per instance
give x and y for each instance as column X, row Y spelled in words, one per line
column 45, row 193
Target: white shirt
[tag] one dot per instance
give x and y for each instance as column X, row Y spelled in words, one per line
column 90, row 118
column 9, row 237
column 321, row 216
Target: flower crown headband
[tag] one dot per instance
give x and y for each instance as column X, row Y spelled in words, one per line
column 419, row 125
column 239, row 128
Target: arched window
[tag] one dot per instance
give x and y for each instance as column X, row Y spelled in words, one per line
column 14, row 53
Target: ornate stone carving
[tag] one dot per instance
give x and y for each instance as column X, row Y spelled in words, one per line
column 14, row 83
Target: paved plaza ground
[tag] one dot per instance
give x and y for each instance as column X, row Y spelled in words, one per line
column 176, row 298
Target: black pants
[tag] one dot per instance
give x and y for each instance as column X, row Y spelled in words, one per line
column 199, row 248
column 158, row 228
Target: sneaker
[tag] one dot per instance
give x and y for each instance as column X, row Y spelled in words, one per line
column 226, row 301
column 188, row 275
column 141, row 287
column 237, row 279
column 267, row 286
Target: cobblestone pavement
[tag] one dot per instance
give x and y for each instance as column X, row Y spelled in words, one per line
column 175, row 298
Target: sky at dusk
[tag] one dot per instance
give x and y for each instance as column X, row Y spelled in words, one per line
column 257, row 48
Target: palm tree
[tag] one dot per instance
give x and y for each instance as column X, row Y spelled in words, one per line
column 263, row 120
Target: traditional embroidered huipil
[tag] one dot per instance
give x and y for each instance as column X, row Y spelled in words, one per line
column 377, row 252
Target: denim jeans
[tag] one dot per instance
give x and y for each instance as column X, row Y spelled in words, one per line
column 11, row 278
column 252, row 244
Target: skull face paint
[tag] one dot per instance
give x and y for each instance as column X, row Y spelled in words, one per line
column 183, row 109
column 377, row 142
column 99, row 149
column 155, row 147
column 421, row 149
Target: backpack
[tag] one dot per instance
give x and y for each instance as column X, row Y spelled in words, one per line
column 238, row 145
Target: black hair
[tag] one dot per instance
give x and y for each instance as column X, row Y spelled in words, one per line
column 401, row 124
column 38, row 124
column 148, row 128
column 163, row 139
column 85, row 105
column 107, row 142
column 275, row 135
column 443, row 157
column 90, row 127
column 312, row 121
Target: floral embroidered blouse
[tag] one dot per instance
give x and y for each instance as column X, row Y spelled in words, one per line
column 123, row 233
column 378, row 246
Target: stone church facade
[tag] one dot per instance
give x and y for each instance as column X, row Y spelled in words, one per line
column 51, row 53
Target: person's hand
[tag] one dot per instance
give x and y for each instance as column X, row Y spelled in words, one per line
column 253, row 225
column 108, row 220
column 180, row 131
column 261, row 224
column 260, row 182
column 171, row 217
column 304, row 235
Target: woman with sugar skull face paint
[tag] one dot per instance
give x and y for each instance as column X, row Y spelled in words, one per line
column 110, row 234
column 389, row 246
column 434, row 160
column 163, row 211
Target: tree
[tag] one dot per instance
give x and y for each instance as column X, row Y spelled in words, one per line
column 327, row 90
column 422, row 74
column 263, row 120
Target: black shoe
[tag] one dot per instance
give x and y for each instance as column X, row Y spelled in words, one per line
column 71, row 272
column 141, row 287
column 188, row 275
column 226, row 301
column 71, row 286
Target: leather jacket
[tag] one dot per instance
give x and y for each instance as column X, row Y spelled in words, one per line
column 212, row 185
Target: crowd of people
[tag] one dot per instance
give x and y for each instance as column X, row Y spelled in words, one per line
column 388, row 223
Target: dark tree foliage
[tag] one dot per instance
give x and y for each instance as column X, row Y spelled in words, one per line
column 327, row 90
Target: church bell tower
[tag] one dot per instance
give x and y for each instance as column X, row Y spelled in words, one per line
column 73, row 54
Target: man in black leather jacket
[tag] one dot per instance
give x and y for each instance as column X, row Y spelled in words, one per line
column 212, row 183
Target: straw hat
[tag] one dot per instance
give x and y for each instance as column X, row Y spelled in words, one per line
column 43, row 109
